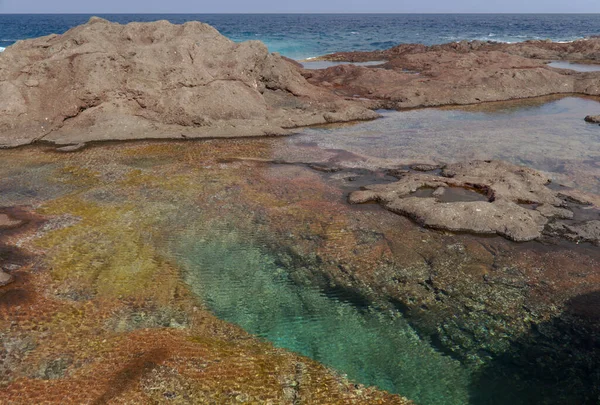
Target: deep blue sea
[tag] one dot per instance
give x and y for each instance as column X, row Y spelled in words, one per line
column 301, row 36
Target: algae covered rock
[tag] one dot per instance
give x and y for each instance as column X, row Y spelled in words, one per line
column 106, row 81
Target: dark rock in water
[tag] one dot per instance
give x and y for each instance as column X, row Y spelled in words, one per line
column 424, row 168
column 106, row 81
column 594, row 119
column 398, row 173
column 508, row 188
column 585, row 232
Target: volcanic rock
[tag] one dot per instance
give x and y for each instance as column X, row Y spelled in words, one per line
column 459, row 73
column 594, row 119
column 519, row 204
column 106, row 81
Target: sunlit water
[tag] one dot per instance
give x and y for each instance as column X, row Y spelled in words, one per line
column 247, row 285
column 547, row 134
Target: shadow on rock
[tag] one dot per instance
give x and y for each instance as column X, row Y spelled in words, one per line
column 556, row 363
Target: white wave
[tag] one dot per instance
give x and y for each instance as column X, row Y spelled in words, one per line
column 2, row 49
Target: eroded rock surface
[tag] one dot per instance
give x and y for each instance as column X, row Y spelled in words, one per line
column 106, row 81
column 519, row 204
column 460, row 73
column 594, row 119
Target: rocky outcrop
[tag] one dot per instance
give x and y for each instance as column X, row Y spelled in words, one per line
column 518, row 202
column 594, row 119
column 105, row 81
column 457, row 74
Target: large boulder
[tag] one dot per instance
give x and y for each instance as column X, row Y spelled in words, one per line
column 106, row 81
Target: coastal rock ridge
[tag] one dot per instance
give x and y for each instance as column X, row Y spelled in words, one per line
column 106, row 81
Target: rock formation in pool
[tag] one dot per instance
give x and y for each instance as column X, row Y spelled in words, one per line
column 106, row 81
column 460, row 73
column 518, row 204
column 594, row 119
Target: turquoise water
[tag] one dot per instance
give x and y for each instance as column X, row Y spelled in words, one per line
column 302, row 36
column 245, row 284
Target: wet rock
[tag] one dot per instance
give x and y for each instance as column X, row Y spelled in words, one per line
column 54, row 369
column 594, row 119
column 585, row 232
column 424, row 168
column 106, row 81
column 398, row 173
column 507, row 187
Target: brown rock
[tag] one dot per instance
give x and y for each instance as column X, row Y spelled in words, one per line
column 8, row 222
column 460, row 73
column 509, row 189
column 106, row 81
column 594, row 119
column 5, row 278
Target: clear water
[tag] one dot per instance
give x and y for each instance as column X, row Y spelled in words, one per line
column 302, row 36
column 221, row 219
column 548, row 134
column 244, row 283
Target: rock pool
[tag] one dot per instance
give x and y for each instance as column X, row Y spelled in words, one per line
column 129, row 257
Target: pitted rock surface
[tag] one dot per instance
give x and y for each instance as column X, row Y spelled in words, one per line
column 519, row 204
column 106, row 81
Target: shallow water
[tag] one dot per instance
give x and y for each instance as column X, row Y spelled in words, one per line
column 547, row 134
column 265, row 239
column 245, row 284
column 327, row 64
column 578, row 67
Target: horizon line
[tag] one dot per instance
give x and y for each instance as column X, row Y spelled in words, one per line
column 307, row 13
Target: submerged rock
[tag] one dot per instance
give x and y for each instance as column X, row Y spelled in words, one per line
column 106, row 81
column 519, row 204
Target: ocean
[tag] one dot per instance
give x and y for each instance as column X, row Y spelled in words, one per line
column 301, row 36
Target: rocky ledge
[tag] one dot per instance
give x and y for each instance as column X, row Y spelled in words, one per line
column 106, row 81
column 494, row 197
column 459, row 73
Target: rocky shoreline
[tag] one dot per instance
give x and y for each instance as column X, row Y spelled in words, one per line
column 460, row 73
column 97, row 278
column 104, row 81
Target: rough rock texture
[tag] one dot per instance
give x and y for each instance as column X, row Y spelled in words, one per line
column 519, row 204
column 594, row 119
column 6, row 221
column 460, row 73
column 104, row 81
